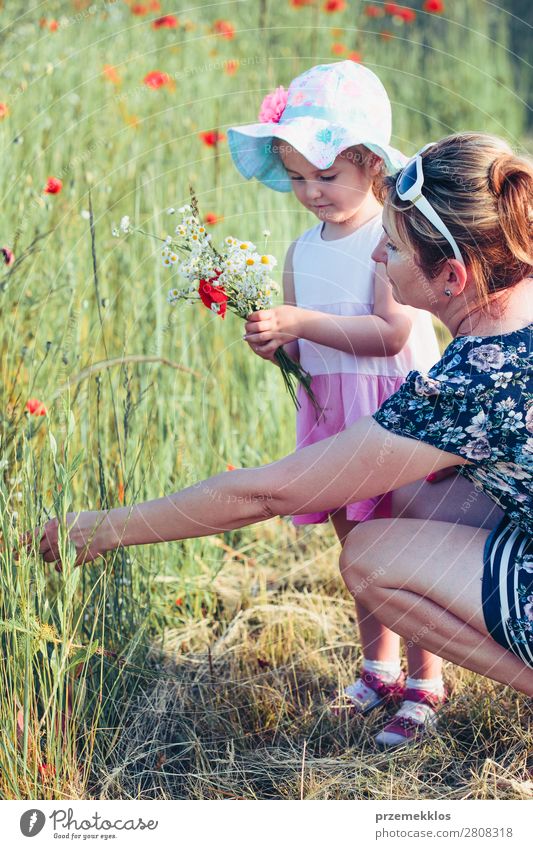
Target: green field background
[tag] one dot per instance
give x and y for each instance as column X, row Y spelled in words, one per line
column 195, row 669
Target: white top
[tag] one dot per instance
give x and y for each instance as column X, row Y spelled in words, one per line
column 337, row 277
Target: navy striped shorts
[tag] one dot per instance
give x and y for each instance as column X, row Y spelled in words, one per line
column 507, row 589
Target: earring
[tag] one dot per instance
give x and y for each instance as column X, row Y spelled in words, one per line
column 448, row 293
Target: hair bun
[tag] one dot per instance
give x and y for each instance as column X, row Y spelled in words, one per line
column 499, row 172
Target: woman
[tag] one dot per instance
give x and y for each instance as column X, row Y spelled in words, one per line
column 458, row 242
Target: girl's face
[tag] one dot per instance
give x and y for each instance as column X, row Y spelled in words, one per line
column 336, row 193
column 409, row 284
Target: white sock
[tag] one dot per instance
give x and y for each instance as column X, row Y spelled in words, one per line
column 423, row 714
column 362, row 695
column 389, row 670
column 430, row 685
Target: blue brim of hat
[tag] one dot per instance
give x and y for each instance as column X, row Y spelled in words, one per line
column 251, row 149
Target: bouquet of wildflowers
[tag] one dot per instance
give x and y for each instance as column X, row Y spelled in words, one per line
column 235, row 278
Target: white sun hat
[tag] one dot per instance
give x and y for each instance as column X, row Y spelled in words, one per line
column 325, row 111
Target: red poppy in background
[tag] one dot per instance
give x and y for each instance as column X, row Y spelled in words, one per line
column 338, row 49
column 156, row 79
column 4, row 110
column 212, row 218
column 334, row 6
column 224, row 29
column 391, row 8
column 168, row 21
column 8, row 256
column 36, row 407
column 212, row 137
column 405, row 14
column 46, row 771
column 53, row 25
column 355, row 56
column 155, row 6
column 373, row 11
column 231, row 67
column 436, row 7
column 299, row 4
column 111, row 74
column 213, row 297
column 53, row 186
column 139, row 9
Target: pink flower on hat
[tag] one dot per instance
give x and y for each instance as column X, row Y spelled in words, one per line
column 273, row 105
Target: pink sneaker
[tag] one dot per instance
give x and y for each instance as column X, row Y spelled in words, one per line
column 415, row 719
column 368, row 692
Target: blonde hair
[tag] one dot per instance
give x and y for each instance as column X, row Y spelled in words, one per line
column 484, row 194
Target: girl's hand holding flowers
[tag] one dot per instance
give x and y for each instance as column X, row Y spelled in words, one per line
column 233, row 278
column 268, row 330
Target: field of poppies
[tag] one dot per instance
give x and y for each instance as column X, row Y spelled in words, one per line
column 200, row 669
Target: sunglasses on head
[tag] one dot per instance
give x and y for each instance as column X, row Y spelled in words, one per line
column 409, row 188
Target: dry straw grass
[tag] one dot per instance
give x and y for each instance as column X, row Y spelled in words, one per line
column 238, row 707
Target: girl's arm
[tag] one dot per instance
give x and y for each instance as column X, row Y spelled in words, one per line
column 358, row 463
column 289, row 297
column 382, row 334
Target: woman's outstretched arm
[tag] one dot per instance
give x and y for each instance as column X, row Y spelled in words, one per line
column 358, row 463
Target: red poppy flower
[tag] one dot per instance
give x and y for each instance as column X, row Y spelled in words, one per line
column 46, row 771
column 338, row 49
column 179, row 602
column 53, row 25
column 391, row 8
column 373, row 11
column 4, row 110
column 224, row 29
column 212, row 218
column 354, row 56
column 334, row 6
column 436, row 7
column 53, row 186
column 231, row 67
column 299, row 4
column 36, row 407
column 213, row 297
column 139, row 9
column 111, row 74
column 212, row 137
column 8, row 255
column 156, row 79
column 155, row 6
column 230, row 467
column 406, row 15
column 168, row 21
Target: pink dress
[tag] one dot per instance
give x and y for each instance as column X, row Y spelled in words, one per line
column 337, row 277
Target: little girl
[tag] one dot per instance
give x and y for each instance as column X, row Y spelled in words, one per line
column 327, row 140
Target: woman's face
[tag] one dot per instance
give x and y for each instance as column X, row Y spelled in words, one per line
column 409, row 284
column 334, row 194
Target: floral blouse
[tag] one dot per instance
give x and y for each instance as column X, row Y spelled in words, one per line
column 477, row 402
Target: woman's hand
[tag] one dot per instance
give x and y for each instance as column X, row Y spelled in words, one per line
column 268, row 330
column 90, row 532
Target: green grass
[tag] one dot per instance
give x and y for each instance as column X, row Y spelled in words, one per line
column 110, row 688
